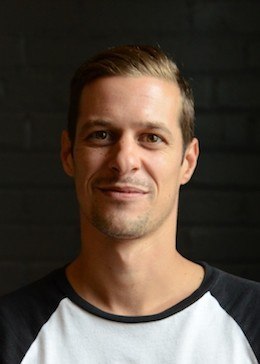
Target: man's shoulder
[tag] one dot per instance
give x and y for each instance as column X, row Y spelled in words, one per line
column 31, row 292
column 23, row 313
column 229, row 287
column 38, row 298
column 240, row 299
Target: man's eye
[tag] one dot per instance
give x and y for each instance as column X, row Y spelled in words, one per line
column 100, row 134
column 100, row 138
column 152, row 138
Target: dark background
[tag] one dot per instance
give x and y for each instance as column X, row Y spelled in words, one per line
column 215, row 43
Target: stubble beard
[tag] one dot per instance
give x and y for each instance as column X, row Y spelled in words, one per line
column 122, row 224
column 122, row 227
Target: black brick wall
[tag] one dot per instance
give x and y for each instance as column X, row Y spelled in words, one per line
column 215, row 43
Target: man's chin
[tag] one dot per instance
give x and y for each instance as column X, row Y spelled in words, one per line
column 123, row 230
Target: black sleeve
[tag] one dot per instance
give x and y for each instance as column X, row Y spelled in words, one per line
column 240, row 298
column 22, row 315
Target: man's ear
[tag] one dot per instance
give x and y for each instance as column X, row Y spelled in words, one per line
column 66, row 154
column 190, row 160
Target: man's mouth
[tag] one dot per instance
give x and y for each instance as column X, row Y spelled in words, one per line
column 119, row 192
column 123, row 189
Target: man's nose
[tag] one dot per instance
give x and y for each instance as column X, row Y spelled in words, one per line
column 125, row 156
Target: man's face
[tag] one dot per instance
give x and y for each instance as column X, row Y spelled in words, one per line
column 127, row 158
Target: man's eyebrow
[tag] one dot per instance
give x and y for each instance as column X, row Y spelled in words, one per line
column 91, row 123
column 154, row 125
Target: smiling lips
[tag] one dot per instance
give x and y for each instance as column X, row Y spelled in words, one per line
column 119, row 192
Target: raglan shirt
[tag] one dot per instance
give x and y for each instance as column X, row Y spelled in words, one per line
column 48, row 323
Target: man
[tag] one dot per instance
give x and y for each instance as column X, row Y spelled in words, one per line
column 130, row 297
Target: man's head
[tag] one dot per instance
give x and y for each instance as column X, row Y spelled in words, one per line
column 132, row 61
column 129, row 145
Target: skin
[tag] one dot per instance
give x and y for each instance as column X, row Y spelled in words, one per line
column 127, row 163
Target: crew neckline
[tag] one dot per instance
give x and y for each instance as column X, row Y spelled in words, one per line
column 72, row 295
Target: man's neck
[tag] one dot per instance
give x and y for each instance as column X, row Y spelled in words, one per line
column 133, row 278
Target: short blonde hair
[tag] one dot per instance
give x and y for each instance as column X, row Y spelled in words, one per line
column 132, row 60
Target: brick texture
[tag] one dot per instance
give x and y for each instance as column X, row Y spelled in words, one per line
column 215, row 43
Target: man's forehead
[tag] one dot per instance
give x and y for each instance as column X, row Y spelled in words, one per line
column 140, row 99
column 126, row 88
column 116, row 79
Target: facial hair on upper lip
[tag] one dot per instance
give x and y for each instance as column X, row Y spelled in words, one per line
column 126, row 182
